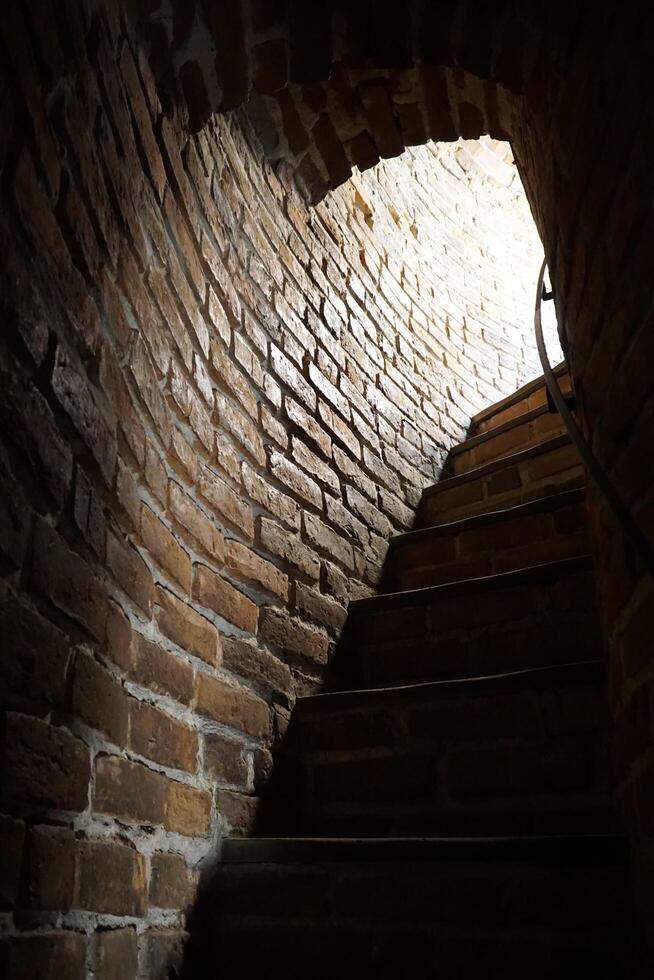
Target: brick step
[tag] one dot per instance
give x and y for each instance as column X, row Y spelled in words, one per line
column 529, row 746
column 544, row 530
column 529, row 429
column 530, row 396
column 529, row 618
column 552, row 466
column 398, row 909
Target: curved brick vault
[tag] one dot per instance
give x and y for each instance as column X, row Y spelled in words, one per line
column 332, row 86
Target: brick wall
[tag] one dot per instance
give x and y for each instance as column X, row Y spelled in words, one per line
column 217, row 405
column 589, row 178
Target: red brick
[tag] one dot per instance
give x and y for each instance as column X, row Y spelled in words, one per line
column 231, row 705
column 110, row 878
column 131, row 572
column 81, row 403
column 172, row 884
column 191, row 517
column 99, row 699
column 297, row 641
column 67, row 580
column 45, row 764
column 49, row 956
column 237, row 812
column 129, row 791
column 245, row 564
column 158, row 736
column 34, row 655
column 253, row 663
column 214, row 592
column 188, row 810
column 116, row 954
column 227, row 503
column 165, row 549
column 164, row 952
column 51, row 868
column 161, row 671
column 187, row 628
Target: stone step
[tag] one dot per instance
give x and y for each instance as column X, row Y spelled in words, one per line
column 529, row 429
column 530, row 396
column 434, row 909
column 552, row 466
column 511, row 753
column 529, row 618
column 544, row 530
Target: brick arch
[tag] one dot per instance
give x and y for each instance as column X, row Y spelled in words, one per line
column 342, row 84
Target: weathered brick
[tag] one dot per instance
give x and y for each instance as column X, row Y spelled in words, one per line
column 158, row 736
column 164, row 952
column 51, row 868
column 226, row 502
column 328, row 541
column 214, row 592
column 296, row 640
column 160, row 670
column 243, row 563
column 35, row 654
column 295, row 480
column 165, row 548
column 131, row 572
column 46, row 955
column 110, row 878
column 273, row 500
column 237, row 812
column 288, row 547
column 45, row 764
column 191, row 517
column 116, row 954
column 231, row 705
column 186, row 627
column 172, row 884
column 80, row 402
column 27, row 416
column 255, row 664
column 129, row 791
column 99, row 698
column 188, row 810
column 67, row 580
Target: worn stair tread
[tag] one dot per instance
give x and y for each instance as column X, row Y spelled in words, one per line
column 517, row 396
column 489, row 434
column 541, row 505
column 535, row 574
column 496, row 465
column 559, row 850
column 532, row 678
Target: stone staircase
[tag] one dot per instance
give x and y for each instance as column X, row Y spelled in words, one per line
column 445, row 811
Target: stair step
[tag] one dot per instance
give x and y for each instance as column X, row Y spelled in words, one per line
column 528, row 429
column 554, row 850
column 544, row 530
column 529, row 746
column 530, row 396
column 514, row 620
column 434, row 909
column 550, row 467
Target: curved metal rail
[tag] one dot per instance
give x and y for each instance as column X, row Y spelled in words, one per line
column 632, row 531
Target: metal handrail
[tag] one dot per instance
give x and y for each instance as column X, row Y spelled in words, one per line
column 632, row 531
